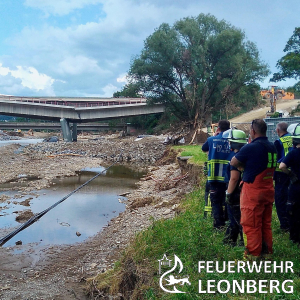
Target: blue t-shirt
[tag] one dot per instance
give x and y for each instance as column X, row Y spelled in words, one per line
column 292, row 160
column 232, row 168
column 254, row 157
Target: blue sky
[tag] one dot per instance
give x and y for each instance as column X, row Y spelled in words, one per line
column 84, row 47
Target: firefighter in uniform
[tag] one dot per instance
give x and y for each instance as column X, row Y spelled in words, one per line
column 237, row 139
column 219, row 155
column 259, row 159
column 292, row 161
column 282, row 181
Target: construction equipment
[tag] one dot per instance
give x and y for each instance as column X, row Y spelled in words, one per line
column 277, row 93
column 273, row 94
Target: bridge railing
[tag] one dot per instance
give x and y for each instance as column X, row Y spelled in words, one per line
column 76, row 103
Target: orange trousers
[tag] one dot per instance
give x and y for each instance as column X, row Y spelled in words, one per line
column 256, row 214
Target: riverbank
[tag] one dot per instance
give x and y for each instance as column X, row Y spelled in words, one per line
column 59, row 272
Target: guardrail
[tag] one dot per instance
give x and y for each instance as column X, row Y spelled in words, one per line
column 84, row 102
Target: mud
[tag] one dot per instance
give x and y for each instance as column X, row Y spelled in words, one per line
column 59, row 272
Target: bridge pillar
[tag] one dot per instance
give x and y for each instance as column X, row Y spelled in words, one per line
column 74, row 132
column 65, row 127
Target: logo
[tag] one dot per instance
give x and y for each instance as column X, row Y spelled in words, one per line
column 171, row 280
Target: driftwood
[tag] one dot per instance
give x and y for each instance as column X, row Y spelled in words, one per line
column 64, row 154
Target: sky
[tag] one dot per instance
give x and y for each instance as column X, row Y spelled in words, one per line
column 83, row 48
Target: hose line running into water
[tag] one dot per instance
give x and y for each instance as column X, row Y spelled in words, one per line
column 39, row 215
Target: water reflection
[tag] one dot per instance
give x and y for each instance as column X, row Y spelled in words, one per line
column 86, row 211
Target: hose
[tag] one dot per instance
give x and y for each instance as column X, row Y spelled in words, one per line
column 39, row 215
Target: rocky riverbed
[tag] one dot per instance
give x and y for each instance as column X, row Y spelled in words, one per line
column 59, row 272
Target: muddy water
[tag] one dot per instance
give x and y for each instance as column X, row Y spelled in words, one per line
column 80, row 216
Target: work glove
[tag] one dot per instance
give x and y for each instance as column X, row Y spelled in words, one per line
column 229, row 199
column 293, row 177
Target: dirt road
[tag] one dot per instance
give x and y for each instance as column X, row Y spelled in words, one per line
column 283, row 105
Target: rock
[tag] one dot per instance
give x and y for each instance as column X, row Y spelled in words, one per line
column 167, row 211
column 52, row 139
column 78, row 233
column 24, row 216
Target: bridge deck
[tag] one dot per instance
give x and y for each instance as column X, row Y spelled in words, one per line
column 75, row 101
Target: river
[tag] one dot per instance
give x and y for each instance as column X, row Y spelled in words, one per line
column 80, row 216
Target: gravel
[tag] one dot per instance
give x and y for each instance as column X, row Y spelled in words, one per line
column 59, row 272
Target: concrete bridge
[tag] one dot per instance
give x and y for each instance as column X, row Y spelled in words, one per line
column 57, row 126
column 75, row 110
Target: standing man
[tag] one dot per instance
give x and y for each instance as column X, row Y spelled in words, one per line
column 259, row 159
column 283, row 146
column 219, row 155
column 292, row 161
column 237, row 139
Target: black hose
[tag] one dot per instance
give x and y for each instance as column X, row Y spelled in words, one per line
column 39, row 215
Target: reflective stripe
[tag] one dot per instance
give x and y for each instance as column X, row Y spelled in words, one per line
column 221, row 170
column 213, row 164
column 286, row 143
column 208, row 207
column 245, row 238
column 272, row 160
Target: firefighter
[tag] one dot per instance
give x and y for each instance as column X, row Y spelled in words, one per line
column 292, row 161
column 219, row 155
column 283, row 145
column 207, row 207
column 237, row 139
column 259, row 159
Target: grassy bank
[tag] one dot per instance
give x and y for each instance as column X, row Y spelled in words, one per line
column 192, row 239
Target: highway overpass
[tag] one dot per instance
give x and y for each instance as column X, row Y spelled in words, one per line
column 57, row 126
column 75, row 110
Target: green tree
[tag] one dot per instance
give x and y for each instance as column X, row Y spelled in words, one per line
column 289, row 64
column 196, row 67
column 130, row 90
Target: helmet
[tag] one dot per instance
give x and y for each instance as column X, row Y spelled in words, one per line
column 236, row 137
column 294, row 130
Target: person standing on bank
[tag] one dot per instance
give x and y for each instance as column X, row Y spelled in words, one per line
column 219, row 155
column 292, row 161
column 259, row 159
column 237, row 139
column 283, row 146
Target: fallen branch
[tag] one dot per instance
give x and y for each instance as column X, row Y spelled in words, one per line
column 64, row 154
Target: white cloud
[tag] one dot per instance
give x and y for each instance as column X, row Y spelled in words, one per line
column 93, row 58
column 3, row 71
column 109, row 90
column 79, row 64
column 59, row 7
column 28, row 77
column 32, row 79
column 122, row 78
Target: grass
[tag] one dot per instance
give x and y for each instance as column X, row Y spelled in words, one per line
column 198, row 157
column 192, row 238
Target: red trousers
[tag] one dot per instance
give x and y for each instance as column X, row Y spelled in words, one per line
column 256, row 213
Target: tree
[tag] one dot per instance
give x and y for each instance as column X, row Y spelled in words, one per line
column 289, row 64
column 130, row 90
column 196, row 67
